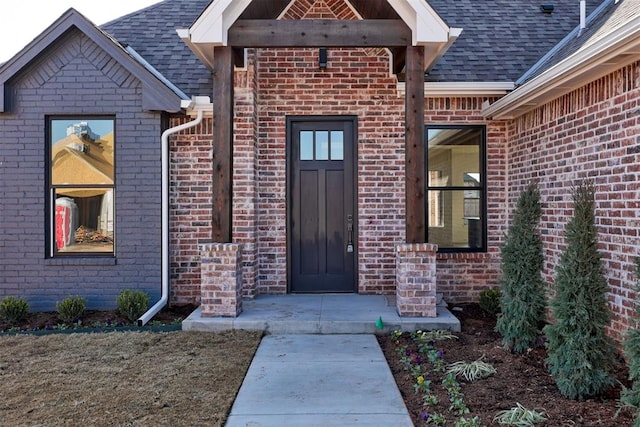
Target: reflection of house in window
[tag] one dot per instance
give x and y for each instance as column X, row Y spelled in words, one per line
column 82, row 181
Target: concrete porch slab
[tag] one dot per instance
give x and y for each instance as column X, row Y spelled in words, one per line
column 320, row 314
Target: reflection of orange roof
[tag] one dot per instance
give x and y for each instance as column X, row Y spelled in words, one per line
column 78, row 161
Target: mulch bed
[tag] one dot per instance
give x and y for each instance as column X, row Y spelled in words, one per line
column 520, row 378
column 48, row 320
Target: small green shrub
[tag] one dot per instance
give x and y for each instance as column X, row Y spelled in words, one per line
column 71, row 308
column 13, row 310
column 132, row 304
column 490, row 300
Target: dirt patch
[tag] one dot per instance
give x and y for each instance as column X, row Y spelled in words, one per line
column 519, row 378
column 122, row 378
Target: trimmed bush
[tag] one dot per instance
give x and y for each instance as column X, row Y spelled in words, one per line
column 523, row 300
column 132, row 304
column 490, row 300
column 13, row 310
column 631, row 397
column 71, row 308
column 580, row 354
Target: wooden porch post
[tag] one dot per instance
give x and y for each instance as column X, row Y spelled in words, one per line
column 415, row 145
column 222, row 144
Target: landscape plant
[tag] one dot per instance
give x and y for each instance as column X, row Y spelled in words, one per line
column 471, row 371
column 132, row 303
column 13, row 310
column 425, row 362
column 490, row 300
column 580, row 354
column 630, row 397
column 522, row 301
column 71, row 308
column 519, row 416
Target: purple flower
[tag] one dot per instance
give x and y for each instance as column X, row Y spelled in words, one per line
column 424, row 415
column 408, row 352
column 47, row 326
column 418, row 360
column 440, row 353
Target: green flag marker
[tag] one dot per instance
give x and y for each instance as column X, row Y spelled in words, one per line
column 380, row 323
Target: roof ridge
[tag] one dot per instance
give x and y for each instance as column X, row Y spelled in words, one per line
column 134, row 13
column 565, row 41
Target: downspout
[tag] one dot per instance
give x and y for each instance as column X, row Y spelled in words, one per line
column 187, row 105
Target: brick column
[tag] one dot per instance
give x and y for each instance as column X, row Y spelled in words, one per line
column 221, row 279
column 416, row 279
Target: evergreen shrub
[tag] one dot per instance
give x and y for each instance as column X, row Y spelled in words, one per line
column 132, row 304
column 631, row 397
column 71, row 308
column 13, row 310
column 490, row 300
column 580, row 354
column 523, row 299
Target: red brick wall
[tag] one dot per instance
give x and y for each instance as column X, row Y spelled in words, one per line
column 591, row 133
column 282, row 82
column 462, row 276
column 190, row 207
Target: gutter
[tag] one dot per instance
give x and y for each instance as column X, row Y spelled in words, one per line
column 187, row 105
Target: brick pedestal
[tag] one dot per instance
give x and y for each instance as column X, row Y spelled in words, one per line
column 221, row 279
column 416, row 279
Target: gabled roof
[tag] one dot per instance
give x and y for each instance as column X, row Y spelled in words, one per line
column 610, row 41
column 212, row 27
column 155, row 94
column 501, row 40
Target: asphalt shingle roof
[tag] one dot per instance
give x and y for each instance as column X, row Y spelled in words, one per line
column 501, row 40
column 612, row 14
column 152, row 33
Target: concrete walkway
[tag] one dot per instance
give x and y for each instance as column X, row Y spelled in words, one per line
column 319, row 380
column 320, row 314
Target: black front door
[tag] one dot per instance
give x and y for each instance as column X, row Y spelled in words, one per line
column 322, row 223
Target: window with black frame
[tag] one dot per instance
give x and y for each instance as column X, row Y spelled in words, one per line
column 81, row 185
column 456, row 221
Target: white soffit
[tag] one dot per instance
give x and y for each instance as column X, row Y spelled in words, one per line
column 435, row 89
column 425, row 24
column 212, row 26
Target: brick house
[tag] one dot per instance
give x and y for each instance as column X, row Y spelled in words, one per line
column 362, row 146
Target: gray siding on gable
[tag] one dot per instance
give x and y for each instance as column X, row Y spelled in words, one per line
column 78, row 78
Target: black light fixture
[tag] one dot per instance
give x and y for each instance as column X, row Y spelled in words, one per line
column 322, row 58
column 547, row 8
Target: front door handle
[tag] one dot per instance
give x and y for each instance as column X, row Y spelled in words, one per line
column 350, row 234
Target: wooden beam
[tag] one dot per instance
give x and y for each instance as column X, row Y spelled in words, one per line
column 415, row 146
column 319, row 33
column 222, row 144
column 399, row 57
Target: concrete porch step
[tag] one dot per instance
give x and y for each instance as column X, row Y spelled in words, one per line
column 320, row 314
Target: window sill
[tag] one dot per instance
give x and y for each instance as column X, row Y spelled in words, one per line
column 87, row 261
